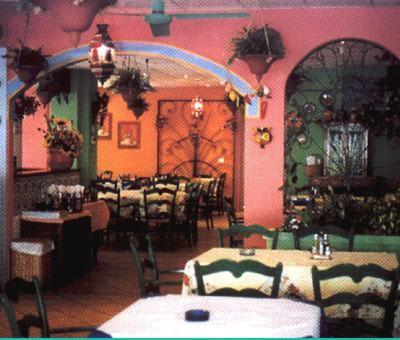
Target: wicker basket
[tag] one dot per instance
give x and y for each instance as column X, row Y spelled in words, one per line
column 26, row 265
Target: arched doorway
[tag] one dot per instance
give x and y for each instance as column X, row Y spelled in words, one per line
column 342, row 135
column 79, row 54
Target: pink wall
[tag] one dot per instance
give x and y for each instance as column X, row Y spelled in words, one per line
column 302, row 30
column 34, row 154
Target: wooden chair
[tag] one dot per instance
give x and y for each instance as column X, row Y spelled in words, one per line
column 340, row 239
column 171, row 183
column 123, row 215
column 106, row 175
column 218, row 194
column 355, row 327
column 11, row 318
column 18, row 286
column 159, row 211
column 237, row 269
column 247, row 231
column 150, row 284
column 207, row 205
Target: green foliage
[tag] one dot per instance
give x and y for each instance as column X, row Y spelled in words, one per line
column 129, row 78
column 372, row 215
column 253, row 40
column 25, row 56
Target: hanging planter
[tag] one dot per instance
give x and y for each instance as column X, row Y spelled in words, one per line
column 258, row 48
column 73, row 16
column 138, row 106
column 55, row 84
column 26, row 63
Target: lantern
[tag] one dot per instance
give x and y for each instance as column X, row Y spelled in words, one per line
column 102, row 54
column 197, row 107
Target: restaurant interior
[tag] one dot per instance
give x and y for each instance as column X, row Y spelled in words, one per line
column 208, row 168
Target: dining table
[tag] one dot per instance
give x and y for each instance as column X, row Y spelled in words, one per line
column 296, row 279
column 228, row 317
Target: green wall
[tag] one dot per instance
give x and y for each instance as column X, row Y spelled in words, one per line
column 78, row 109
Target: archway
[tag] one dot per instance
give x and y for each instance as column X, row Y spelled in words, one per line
column 342, row 136
column 80, row 53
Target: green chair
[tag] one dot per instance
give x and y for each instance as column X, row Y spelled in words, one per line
column 237, row 269
column 246, row 232
column 18, row 286
column 353, row 327
column 149, row 284
column 340, row 239
column 10, row 314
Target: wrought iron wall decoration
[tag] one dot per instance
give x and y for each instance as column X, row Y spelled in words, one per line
column 345, row 84
column 191, row 147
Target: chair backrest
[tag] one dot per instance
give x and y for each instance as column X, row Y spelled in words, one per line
column 357, row 273
column 340, row 239
column 10, row 314
column 112, row 197
column 107, row 183
column 205, row 176
column 230, row 212
column 18, row 286
column 146, row 286
column 125, row 177
column 159, row 203
column 238, row 269
column 220, row 187
column 106, row 174
column 247, row 231
column 171, row 183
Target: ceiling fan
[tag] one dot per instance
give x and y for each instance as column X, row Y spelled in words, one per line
column 159, row 21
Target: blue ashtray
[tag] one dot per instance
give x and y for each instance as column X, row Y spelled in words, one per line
column 197, row 315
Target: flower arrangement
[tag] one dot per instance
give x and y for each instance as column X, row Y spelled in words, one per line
column 61, row 135
column 262, row 136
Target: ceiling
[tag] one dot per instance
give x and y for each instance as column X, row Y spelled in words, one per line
column 174, row 6
column 166, row 72
column 229, row 5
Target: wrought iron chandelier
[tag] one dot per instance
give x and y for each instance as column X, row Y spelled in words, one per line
column 102, row 54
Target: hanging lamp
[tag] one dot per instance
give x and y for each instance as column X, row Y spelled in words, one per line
column 102, row 54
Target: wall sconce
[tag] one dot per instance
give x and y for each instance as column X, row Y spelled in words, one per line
column 102, row 54
column 262, row 136
column 197, row 107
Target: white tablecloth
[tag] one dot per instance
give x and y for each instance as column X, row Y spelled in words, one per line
column 164, row 316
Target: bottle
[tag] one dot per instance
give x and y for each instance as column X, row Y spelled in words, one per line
column 325, row 244
column 315, row 248
column 320, row 244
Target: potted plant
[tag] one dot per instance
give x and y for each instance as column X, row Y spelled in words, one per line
column 64, row 143
column 24, row 106
column 131, row 84
column 55, row 84
column 26, row 62
column 258, row 47
column 138, row 106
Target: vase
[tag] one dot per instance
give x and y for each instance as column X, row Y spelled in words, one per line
column 59, row 160
column 258, row 64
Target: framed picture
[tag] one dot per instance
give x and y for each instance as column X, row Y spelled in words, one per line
column 129, row 135
column 104, row 132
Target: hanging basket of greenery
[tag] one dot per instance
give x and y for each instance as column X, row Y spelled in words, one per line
column 258, row 47
column 138, row 106
column 26, row 62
